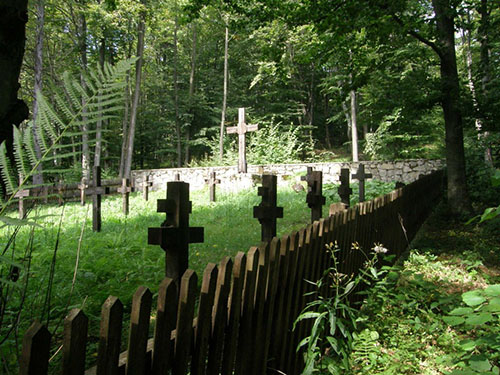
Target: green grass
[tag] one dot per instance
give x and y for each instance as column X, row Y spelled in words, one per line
column 118, row 260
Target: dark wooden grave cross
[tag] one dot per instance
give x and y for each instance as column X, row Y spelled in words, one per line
column 361, row 176
column 314, row 198
column 174, row 235
column 212, row 181
column 268, row 211
column 21, row 194
column 242, row 129
column 146, row 185
column 125, row 189
column 82, row 186
column 96, row 191
column 344, row 190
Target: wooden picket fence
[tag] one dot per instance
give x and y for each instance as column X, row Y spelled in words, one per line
column 246, row 307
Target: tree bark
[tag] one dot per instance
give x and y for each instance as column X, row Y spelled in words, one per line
column 176, row 94
column 85, row 128
column 13, row 18
column 135, row 102
column 99, row 123
column 354, row 126
column 458, row 199
column 224, row 94
column 191, row 95
column 40, row 14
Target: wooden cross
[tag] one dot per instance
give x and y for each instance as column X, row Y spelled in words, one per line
column 242, row 129
column 82, row 186
column 21, row 194
column 344, row 190
column 125, row 189
column 146, row 185
column 361, row 176
column 267, row 211
column 174, row 235
column 212, row 181
column 314, row 198
column 96, row 191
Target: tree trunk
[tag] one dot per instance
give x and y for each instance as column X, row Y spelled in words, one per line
column 13, row 18
column 224, row 94
column 85, row 128
column 40, row 15
column 98, row 134
column 125, row 121
column 135, row 102
column 354, row 126
column 458, row 199
column 191, row 95
column 176, row 95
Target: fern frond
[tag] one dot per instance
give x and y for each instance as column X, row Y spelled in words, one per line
column 20, row 156
column 29, row 144
column 8, row 175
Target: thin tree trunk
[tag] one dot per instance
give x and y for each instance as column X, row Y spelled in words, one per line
column 224, row 94
column 327, row 128
column 458, row 199
column 176, row 94
column 40, row 15
column 135, row 102
column 191, row 94
column 125, row 121
column 98, row 134
column 85, row 128
column 354, row 126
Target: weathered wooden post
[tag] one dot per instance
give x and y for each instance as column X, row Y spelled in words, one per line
column 20, row 195
column 174, row 235
column 125, row 189
column 242, row 129
column 97, row 190
column 344, row 190
column 146, row 185
column 60, row 192
column 82, row 186
column 211, row 181
column 314, row 198
column 361, row 176
column 268, row 211
column 177, row 176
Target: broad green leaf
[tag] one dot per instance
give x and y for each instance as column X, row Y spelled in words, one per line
column 461, row 311
column 481, row 364
column 478, row 319
column 468, row 345
column 493, row 305
column 453, row 320
column 493, row 290
column 473, row 298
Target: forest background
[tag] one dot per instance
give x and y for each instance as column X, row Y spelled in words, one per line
column 314, row 77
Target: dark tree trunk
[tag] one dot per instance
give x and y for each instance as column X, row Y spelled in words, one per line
column 13, row 18
column 458, row 199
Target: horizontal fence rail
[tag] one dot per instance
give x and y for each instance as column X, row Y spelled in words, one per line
column 241, row 320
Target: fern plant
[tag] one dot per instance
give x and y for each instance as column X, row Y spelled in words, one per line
column 97, row 96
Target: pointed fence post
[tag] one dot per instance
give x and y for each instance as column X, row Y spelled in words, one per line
column 36, row 350
column 268, row 211
column 74, row 342
column 344, row 189
column 315, row 199
column 174, row 235
column 212, row 182
column 361, row 176
column 241, row 130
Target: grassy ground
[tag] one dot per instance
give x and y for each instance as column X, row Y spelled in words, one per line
column 88, row 267
column 439, row 312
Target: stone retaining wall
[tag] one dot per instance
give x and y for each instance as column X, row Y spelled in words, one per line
column 405, row 171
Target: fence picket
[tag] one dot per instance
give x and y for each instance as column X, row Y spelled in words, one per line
column 137, row 363
column 166, row 317
column 204, row 320
column 74, row 342
column 110, row 337
column 35, row 354
column 185, row 315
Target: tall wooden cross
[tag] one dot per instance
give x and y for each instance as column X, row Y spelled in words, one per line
column 268, row 211
column 21, row 194
column 242, row 129
column 125, row 189
column 96, row 191
column 344, row 190
column 314, row 198
column 361, row 176
column 174, row 235
column 146, row 185
column 212, row 182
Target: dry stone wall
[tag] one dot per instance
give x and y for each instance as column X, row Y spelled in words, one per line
column 405, row 171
